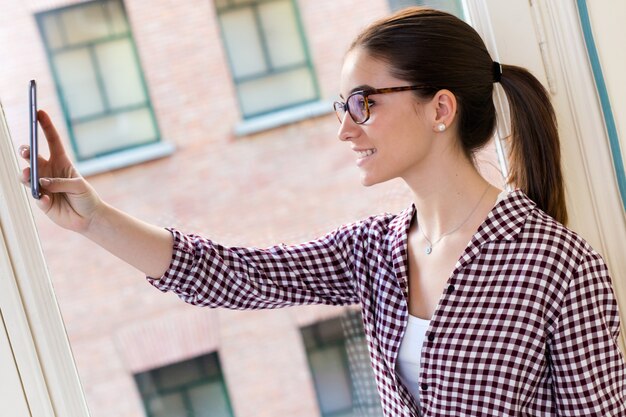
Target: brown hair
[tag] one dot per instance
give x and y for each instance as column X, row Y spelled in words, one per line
column 430, row 47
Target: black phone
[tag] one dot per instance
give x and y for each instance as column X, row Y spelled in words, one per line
column 34, row 141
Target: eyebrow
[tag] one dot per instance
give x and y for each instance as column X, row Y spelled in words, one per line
column 362, row 87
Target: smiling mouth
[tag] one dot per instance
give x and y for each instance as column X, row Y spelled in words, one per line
column 364, row 154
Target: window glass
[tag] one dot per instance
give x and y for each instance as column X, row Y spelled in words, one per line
column 241, row 35
column 117, row 17
column 84, row 24
column 454, row 7
column 52, row 31
column 331, row 379
column 281, row 33
column 276, row 91
column 114, row 132
column 209, row 401
column 77, row 75
column 114, row 58
column 171, row 405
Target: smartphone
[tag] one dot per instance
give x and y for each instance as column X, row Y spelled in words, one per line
column 34, row 142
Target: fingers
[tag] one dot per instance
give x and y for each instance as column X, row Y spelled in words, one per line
column 24, row 152
column 52, row 136
column 44, row 203
column 25, row 178
column 63, row 185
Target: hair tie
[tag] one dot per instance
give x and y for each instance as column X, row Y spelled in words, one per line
column 497, row 71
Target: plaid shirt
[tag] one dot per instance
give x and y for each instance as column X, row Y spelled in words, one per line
column 527, row 325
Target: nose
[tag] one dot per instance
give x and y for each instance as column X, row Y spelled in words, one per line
column 348, row 129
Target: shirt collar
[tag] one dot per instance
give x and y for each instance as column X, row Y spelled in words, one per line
column 504, row 221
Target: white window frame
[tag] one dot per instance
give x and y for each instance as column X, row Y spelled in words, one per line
column 33, row 321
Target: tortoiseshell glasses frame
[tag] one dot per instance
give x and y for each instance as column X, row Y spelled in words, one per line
column 358, row 106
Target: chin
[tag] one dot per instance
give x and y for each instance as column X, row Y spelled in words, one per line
column 368, row 181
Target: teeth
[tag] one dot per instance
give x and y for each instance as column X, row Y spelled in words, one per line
column 368, row 152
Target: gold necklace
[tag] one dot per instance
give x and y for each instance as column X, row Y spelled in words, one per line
column 429, row 248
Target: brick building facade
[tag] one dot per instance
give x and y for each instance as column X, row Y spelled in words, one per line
column 288, row 183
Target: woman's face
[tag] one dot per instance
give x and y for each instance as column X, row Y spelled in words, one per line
column 400, row 131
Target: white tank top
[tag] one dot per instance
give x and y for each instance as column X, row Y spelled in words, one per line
column 410, row 353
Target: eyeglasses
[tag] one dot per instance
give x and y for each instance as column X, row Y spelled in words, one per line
column 358, row 106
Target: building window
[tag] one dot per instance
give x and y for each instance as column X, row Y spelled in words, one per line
column 341, row 369
column 194, row 388
column 98, row 78
column 267, row 54
column 454, row 7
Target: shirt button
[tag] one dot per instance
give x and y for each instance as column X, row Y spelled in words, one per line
column 424, row 387
column 431, row 337
column 450, row 288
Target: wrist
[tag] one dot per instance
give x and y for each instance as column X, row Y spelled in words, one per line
column 99, row 217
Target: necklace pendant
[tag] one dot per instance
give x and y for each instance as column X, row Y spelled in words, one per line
column 428, row 250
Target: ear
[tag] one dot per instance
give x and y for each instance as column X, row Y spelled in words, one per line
column 445, row 105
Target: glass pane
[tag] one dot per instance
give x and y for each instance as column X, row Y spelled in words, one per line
column 242, row 41
column 308, row 336
column 117, row 17
column 210, row 365
column 276, row 91
column 120, row 73
column 52, row 31
column 146, row 384
column 114, row 132
column 331, row 330
column 171, row 405
column 78, row 81
column 209, row 401
column 451, row 6
column 221, row 3
column 281, row 33
column 85, row 23
column 178, row 374
column 331, row 379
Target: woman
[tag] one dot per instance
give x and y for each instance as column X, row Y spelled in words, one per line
column 475, row 301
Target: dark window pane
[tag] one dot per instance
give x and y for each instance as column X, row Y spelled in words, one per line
column 182, row 373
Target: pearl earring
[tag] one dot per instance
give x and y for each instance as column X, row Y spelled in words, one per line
column 441, row 127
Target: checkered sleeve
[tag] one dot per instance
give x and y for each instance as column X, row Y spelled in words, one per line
column 205, row 273
column 588, row 369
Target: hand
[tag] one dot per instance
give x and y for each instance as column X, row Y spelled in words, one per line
column 67, row 198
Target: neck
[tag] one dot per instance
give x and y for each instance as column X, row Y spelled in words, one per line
column 446, row 191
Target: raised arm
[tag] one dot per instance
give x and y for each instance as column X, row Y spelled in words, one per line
column 69, row 201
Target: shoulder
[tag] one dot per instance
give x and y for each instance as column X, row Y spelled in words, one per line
column 553, row 241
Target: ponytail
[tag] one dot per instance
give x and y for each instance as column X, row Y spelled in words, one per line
column 534, row 154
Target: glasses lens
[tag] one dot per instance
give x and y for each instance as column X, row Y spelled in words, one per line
column 357, row 107
column 339, row 110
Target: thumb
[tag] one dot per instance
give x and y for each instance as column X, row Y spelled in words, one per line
column 63, row 185
column 44, row 203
